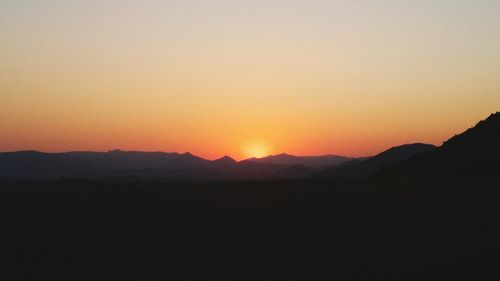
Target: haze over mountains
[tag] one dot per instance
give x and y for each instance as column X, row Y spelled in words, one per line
column 474, row 151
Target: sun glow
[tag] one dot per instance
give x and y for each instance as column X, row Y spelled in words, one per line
column 257, row 149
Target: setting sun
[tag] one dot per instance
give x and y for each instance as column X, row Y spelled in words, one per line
column 257, row 149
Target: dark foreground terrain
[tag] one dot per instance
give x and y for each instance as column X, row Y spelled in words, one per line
column 290, row 230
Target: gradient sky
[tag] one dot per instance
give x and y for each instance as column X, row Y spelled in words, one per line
column 245, row 78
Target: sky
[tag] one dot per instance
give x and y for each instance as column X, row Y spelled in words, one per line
column 244, row 78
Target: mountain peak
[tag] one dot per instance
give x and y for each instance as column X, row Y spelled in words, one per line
column 225, row 159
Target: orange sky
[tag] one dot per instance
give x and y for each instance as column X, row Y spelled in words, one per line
column 244, row 79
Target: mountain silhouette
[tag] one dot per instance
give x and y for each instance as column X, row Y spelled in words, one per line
column 475, row 152
column 225, row 161
column 34, row 164
column 424, row 213
column 176, row 166
column 322, row 161
column 133, row 164
column 472, row 153
column 376, row 163
column 125, row 160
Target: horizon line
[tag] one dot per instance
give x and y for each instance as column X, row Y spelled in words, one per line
column 214, row 159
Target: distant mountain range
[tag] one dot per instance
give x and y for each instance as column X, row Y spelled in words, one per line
column 173, row 166
column 475, row 152
column 119, row 164
column 34, row 164
column 306, row 161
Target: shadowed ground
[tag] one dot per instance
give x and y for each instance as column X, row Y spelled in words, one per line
column 296, row 230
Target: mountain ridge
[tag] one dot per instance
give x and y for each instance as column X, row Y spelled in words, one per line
column 472, row 153
column 318, row 161
column 376, row 163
